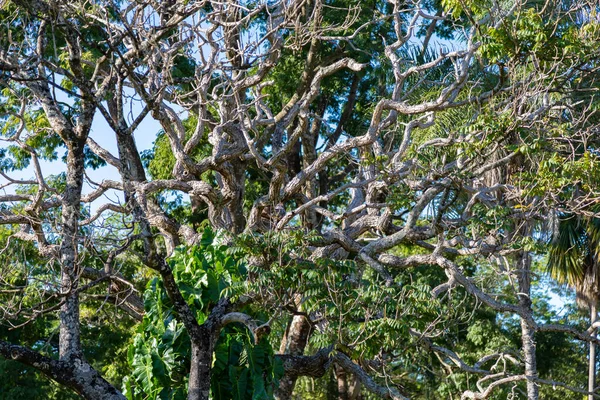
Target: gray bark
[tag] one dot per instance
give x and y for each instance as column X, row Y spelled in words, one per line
column 69, row 343
column 527, row 332
column 76, row 375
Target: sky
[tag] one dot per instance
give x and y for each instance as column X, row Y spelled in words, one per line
column 101, row 132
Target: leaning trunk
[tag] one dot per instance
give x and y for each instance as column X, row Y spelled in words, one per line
column 592, row 359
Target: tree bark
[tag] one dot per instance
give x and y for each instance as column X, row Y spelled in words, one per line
column 293, row 344
column 592, row 356
column 69, row 337
column 200, row 368
column 342, row 383
column 76, row 375
column 528, row 340
column 527, row 332
column 314, row 366
column 354, row 389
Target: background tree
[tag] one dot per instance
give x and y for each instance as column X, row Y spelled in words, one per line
column 572, row 260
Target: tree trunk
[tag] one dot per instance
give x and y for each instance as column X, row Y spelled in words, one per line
column 354, row 387
column 342, row 383
column 592, row 359
column 79, row 375
column 331, row 386
column 200, row 369
column 69, row 336
column 527, row 332
column 293, row 343
column 527, row 337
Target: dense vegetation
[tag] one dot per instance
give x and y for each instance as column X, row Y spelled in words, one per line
column 339, row 199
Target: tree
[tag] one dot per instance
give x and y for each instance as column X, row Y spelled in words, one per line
column 377, row 186
column 573, row 260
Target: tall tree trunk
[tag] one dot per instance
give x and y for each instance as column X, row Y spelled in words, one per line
column 527, row 332
column 201, row 337
column 331, row 386
column 592, row 359
column 200, row 369
column 528, row 340
column 78, row 375
column 69, row 336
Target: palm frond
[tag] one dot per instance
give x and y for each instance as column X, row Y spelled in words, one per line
column 573, row 256
column 566, row 255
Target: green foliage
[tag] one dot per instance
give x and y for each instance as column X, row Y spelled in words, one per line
column 242, row 369
column 104, row 335
column 353, row 307
column 574, row 249
column 563, row 175
column 160, row 160
column 159, row 356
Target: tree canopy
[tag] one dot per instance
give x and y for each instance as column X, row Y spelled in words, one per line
column 311, row 199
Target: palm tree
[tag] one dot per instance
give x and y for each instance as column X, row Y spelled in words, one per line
column 574, row 259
